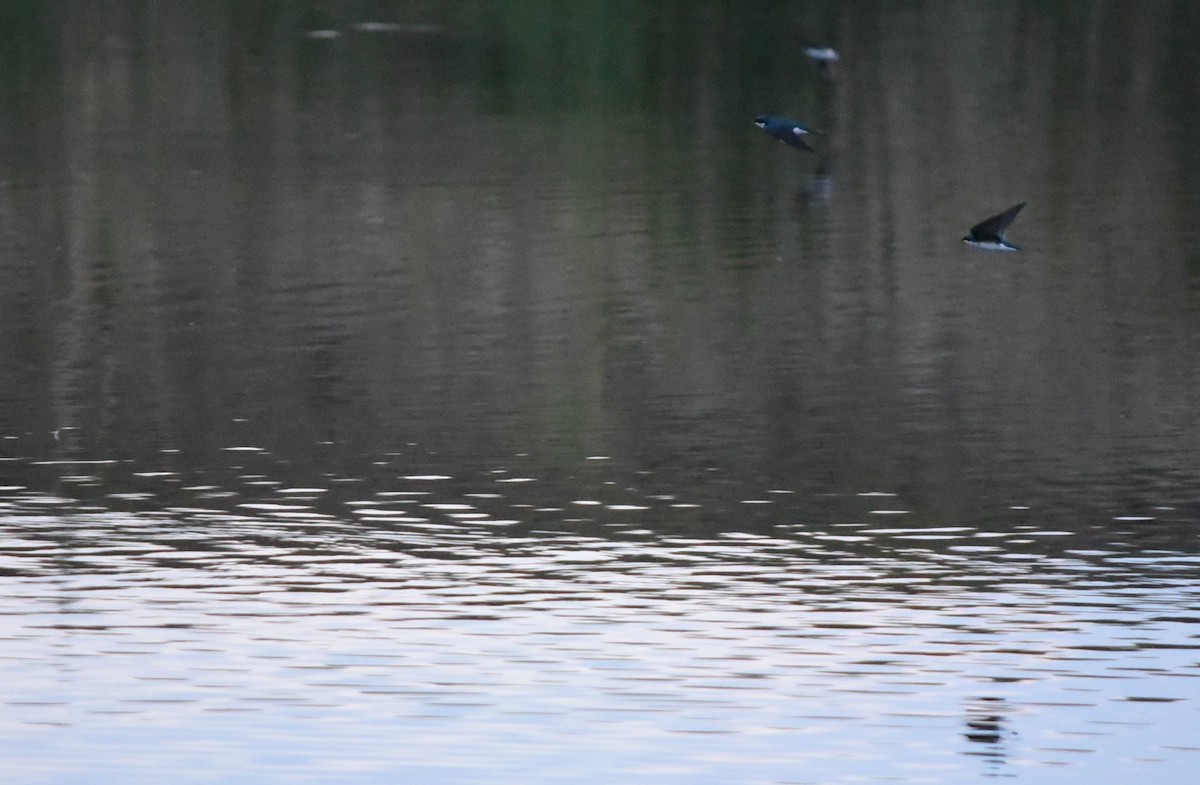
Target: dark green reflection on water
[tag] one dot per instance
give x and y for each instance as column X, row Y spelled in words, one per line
column 551, row 228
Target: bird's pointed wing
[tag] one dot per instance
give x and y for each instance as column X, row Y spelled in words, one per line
column 992, row 227
column 794, row 136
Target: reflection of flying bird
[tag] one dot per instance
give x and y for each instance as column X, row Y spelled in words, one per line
column 987, row 727
column 989, row 234
column 819, row 187
column 787, row 131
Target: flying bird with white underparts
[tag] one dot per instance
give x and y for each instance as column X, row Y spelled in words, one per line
column 989, row 233
column 787, row 131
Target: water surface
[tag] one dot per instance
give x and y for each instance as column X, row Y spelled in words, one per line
column 472, row 393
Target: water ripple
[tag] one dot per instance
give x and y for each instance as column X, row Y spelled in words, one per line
column 489, row 617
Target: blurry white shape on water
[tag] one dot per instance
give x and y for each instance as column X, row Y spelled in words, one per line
column 578, row 556
column 413, row 28
column 586, row 502
column 370, row 512
column 824, row 54
column 426, row 477
column 243, row 449
column 930, row 530
column 626, row 507
column 1134, row 518
column 101, row 462
column 891, row 512
column 298, row 514
column 323, row 35
column 273, row 506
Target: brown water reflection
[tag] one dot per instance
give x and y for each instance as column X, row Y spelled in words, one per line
column 753, row 472
column 362, row 240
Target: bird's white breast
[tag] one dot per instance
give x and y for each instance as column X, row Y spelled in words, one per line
column 989, row 245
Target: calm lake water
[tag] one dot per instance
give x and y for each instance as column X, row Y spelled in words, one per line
column 470, row 393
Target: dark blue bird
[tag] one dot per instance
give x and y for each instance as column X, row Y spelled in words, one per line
column 989, row 233
column 787, row 131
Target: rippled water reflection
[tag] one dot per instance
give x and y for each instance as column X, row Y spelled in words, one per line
column 469, row 393
column 497, row 627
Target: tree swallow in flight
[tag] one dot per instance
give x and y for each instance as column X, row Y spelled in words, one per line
column 989, row 234
column 787, row 131
column 825, row 58
column 822, row 54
